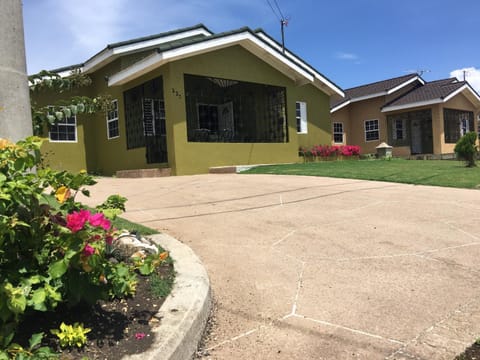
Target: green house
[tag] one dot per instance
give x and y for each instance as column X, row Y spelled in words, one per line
column 188, row 100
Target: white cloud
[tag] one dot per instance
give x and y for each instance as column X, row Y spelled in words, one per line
column 346, row 56
column 94, row 24
column 472, row 75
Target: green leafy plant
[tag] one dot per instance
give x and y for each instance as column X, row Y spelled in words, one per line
column 34, row 350
column 113, row 206
column 466, row 148
column 71, row 335
column 50, row 254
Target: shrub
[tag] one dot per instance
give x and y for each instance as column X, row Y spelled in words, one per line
column 50, row 254
column 330, row 151
column 466, row 148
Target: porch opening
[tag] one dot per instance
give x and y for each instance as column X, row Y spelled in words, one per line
column 456, row 124
column 222, row 110
column 412, row 129
column 145, row 120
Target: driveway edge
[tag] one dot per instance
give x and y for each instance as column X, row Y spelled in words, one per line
column 183, row 315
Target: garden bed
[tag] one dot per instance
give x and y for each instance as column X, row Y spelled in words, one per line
column 118, row 327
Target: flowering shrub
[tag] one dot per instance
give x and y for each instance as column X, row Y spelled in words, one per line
column 50, row 254
column 330, row 151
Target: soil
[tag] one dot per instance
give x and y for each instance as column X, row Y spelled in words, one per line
column 471, row 353
column 119, row 327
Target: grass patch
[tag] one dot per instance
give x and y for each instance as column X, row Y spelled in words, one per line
column 446, row 173
column 121, row 223
column 161, row 285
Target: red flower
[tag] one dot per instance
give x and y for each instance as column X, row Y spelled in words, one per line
column 88, row 250
column 99, row 219
column 139, row 336
column 76, row 220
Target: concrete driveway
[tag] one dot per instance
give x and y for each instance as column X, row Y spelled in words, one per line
column 321, row 268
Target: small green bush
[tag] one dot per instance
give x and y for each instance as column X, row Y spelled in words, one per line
column 466, row 148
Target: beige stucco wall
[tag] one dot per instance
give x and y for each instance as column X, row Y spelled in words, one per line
column 354, row 116
column 356, row 113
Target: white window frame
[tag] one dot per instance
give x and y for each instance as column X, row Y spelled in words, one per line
column 63, row 123
column 301, row 117
column 403, row 128
column 338, row 132
column 371, row 130
column 112, row 117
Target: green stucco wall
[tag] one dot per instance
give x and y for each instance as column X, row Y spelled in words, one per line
column 107, row 156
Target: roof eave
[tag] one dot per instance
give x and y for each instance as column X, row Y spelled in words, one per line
column 244, row 38
column 402, row 85
column 329, row 87
column 412, row 105
column 339, row 106
column 112, row 52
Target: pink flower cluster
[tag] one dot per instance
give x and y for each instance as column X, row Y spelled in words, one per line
column 77, row 220
column 326, row 151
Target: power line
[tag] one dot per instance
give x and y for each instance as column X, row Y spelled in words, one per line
column 273, row 10
column 280, row 11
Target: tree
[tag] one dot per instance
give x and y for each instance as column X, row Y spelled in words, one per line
column 15, row 118
column 466, row 148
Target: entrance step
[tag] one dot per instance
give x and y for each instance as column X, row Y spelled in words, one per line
column 143, row 173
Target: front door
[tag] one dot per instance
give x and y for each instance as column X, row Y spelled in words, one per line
column 155, row 130
column 416, row 137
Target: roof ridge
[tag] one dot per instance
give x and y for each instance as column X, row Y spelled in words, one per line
column 381, row 81
column 159, row 35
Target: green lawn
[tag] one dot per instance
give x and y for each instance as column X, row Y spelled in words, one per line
column 448, row 173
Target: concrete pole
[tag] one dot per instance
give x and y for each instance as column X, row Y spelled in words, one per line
column 15, row 113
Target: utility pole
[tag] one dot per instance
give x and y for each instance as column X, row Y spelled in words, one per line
column 15, row 113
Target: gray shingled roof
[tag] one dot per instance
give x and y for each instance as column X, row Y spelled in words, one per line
column 433, row 90
column 371, row 89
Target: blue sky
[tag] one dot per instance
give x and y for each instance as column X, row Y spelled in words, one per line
column 352, row 42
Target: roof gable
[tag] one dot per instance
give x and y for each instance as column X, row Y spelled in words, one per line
column 433, row 92
column 376, row 89
column 255, row 42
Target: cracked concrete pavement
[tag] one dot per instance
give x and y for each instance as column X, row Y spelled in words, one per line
column 322, row 268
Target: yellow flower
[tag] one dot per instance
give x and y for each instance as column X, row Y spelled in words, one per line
column 62, row 194
column 4, row 143
column 83, row 171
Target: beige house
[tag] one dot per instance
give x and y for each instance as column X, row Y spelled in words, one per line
column 408, row 113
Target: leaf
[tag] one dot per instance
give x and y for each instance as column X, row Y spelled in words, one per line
column 38, row 299
column 17, row 303
column 35, row 340
column 58, row 115
column 146, row 268
column 57, row 269
column 86, row 192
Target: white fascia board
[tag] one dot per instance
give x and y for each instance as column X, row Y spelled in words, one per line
column 135, row 70
column 396, row 88
column 370, row 96
column 412, row 105
column 463, row 88
column 101, row 58
column 108, row 55
column 329, row 84
column 205, row 46
column 340, row 106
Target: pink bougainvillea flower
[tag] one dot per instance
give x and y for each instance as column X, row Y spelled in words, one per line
column 76, row 220
column 109, row 239
column 88, row 250
column 99, row 220
column 139, row 336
